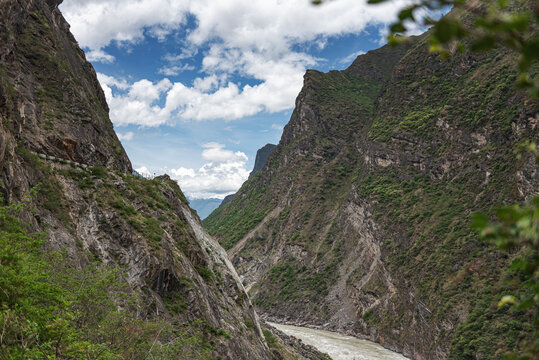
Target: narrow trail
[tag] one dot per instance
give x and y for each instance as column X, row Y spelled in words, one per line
column 240, row 244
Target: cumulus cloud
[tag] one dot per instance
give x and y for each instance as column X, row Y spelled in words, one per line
column 208, row 99
column 99, row 56
column 255, row 39
column 143, row 170
column 126, row 136
column 222, row 174
column 135, row 103
column 97, row 23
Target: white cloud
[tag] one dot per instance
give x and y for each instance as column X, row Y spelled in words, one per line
column 255, row 39
column 96, row 23
column 126, row 136
column 135, row 103
column 277, row 127
column 215, row 153
column 143, row 170
column 186, row 53
column 175, row 69
column 99, row 55
column 223, row 173
column 350, row 58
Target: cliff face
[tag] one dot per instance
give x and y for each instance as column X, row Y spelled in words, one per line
column 261, row 157
column 55, row 134
column 360, row 220
column 51, row 100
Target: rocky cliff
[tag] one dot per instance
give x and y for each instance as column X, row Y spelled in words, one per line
column 261, row 157
column 360, row 220
column 56, row 136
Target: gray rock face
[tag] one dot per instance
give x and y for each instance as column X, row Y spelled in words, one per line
column 52, row 101
column 261, row 157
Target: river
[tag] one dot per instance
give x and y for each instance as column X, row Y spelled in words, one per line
column 339, row 347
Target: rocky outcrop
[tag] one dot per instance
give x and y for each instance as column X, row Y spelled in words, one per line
column 51, row 100
column 261, row 157
column 362, row 221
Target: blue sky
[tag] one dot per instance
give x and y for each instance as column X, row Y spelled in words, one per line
column 195, row 87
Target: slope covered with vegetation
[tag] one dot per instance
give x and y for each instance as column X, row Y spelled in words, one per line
column 360, row 219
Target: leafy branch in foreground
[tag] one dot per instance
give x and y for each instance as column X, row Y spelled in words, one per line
column 517, row 230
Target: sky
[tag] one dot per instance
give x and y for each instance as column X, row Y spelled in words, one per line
column 196, row 87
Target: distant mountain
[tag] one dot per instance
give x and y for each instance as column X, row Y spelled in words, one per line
column 227, row 199
column 204, row 207
column 261, row 157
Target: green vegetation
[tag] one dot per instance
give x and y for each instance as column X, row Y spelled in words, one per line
column 242, row 219
column 53, row 308
column 271, row 339
column 205, row 273
column 517, row 229
column 290, row 281
column 50, row 195
column 346, row 94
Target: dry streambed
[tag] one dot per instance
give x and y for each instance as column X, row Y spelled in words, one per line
column 339, row 347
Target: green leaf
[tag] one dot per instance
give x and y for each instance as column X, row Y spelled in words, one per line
column 407, row 13
column 398, row 28
column 507, row 299
column 444, row 30
column 479, row 221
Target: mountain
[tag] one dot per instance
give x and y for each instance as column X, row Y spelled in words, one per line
column 360, row 219
column 261, row 157
column 204, row 207
column 135, row 275
column 227, row 199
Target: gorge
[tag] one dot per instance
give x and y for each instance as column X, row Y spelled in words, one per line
column 357, row 222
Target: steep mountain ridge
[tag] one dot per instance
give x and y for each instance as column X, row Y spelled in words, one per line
column 359, row 221
column 261, row 158
column 50, row 93
column 56, row 138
